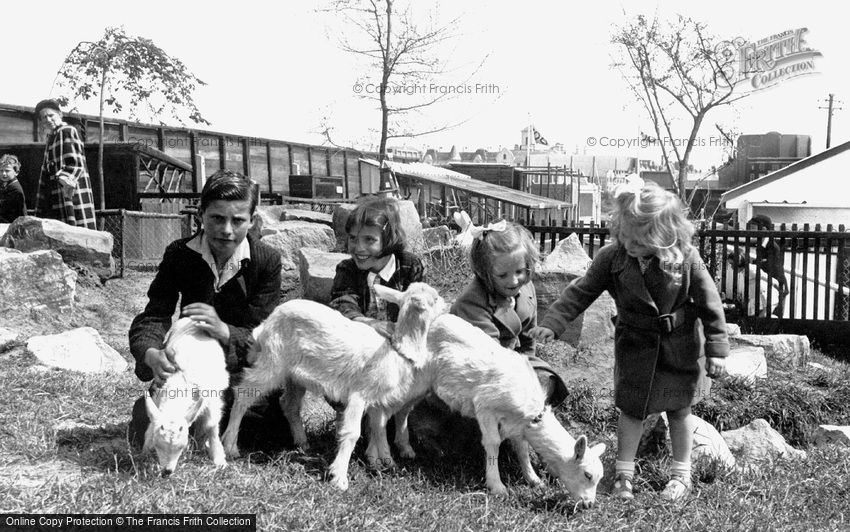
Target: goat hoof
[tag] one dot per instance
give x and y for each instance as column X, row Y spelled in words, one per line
column 498, row 490
column 339, row 482
column 407, row 453
column 231, row 452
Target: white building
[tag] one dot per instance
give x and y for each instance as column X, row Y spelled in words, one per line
column 813, row 190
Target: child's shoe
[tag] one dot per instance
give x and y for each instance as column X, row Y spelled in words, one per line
column 677, row 487
column 623, row 487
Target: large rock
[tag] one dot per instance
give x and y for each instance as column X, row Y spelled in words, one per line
column 747, row 363
column 292, row 236
column 410, row 224
column 39, row 280
column 758, row 442
column 708, row 444
column 788, row 350
column 566, row 262
column 317, row 269
column 269, row 214
column 79, row 349
column 75, row 244
column 832, row 434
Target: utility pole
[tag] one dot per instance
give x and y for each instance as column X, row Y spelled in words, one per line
column 830, row 110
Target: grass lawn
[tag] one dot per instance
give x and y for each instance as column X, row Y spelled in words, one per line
column 62, row 449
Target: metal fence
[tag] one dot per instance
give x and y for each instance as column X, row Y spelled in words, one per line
column 140, row 238
column 813, row 264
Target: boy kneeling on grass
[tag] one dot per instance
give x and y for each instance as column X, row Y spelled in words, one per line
column 226, row 281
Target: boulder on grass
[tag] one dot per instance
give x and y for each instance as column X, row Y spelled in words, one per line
column 80, row 349
column 747, row 363
column 39, row 280
column 566, row 262
column 317, row 269
column 758, row 443
column 788, row 350
column 292, row 236
column 88, row 247
column 708, row 444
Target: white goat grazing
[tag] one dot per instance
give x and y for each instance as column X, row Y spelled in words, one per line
column 193, row 394
column 479, row 378
column 304, row 345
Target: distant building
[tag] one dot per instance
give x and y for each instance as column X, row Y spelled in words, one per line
column 759, row 155
column 404, row 154
column 810, row 190
column 441, row 158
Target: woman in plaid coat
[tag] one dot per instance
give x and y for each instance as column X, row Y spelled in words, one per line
column 64, row 188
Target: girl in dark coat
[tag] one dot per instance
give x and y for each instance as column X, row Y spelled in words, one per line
column 501, row 299
column 670, row 332
column 376, row 243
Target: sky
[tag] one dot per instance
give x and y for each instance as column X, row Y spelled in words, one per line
column 276, row 70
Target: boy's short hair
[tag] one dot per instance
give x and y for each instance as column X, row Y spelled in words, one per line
column 229, row 186
column 10, row 160
column 381, row 212
column 492, row 243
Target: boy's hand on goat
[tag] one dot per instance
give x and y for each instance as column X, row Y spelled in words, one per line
column 715, row 367
column 207, row 319
column 542, row 334
column 161, row 362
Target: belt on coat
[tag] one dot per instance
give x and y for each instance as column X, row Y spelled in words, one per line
column 664, row 324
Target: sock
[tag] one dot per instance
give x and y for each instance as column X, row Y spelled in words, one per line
column 681, row 470
column 626, row 469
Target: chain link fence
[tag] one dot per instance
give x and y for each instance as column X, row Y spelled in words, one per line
column 140, row 238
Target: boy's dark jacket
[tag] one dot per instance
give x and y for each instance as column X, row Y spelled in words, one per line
column 243, row 302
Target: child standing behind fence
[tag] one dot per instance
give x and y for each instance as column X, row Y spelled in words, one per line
column 669, row 319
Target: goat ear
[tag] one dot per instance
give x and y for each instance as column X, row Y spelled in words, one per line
column 152, row 409
column 598, row 449
column 192, row 413
column 388, row 294
column 581, row 447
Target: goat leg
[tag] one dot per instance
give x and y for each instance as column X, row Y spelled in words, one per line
column 241, row 402
column 290, row 403
column 402, row 432
column 491, row 440
column 348, row 433
column 378, row 452
column 521, row 447
column 210, row 421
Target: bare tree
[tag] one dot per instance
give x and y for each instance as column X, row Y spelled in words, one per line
column 405, row 52
column 676, row 70
column 119, row 66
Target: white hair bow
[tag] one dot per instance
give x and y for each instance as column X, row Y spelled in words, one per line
column 479, row 232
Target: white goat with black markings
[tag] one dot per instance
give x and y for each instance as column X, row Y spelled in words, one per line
column 477, row 377
column 304, row 345
column 192, row 395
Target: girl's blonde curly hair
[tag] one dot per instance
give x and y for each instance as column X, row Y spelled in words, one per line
column 657, row 219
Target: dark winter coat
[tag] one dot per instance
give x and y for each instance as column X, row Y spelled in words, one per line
column 656, row 369
column 508, row 324
column 351, row 294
